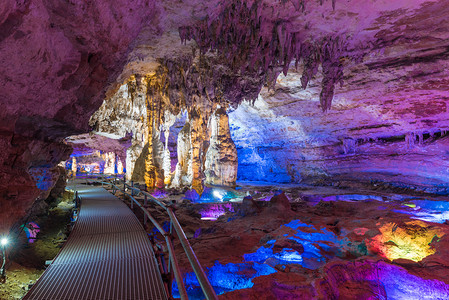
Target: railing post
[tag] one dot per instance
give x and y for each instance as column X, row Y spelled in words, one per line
column 145, row 206
column 171, row 234
column 179, row 280
column 132, row 188
column 77, row 204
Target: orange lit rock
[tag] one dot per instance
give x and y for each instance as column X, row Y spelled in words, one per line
column 407, row 240
column 198, row 131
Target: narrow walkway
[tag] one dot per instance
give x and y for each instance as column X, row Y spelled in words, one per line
column 107, row 256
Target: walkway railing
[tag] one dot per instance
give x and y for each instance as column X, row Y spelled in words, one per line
column 174, row 224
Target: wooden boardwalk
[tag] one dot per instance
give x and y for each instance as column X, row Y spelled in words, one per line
column 107, row 256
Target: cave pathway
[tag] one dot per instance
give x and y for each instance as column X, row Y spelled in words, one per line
column 107, row 255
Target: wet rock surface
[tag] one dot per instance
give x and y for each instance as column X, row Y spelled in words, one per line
column 348, row 245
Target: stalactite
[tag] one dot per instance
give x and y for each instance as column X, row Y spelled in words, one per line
column 239, row 37
column 311, row 61
column 332, row 71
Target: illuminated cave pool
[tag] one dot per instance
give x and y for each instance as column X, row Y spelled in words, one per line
column 212, row 195
column 436, row 211
column 315, row 199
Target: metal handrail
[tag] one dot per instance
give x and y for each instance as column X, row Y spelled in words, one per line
column 174, row 223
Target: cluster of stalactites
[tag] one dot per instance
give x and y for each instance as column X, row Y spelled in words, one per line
column 206, row 152
column 179, row 85
column 250, row 41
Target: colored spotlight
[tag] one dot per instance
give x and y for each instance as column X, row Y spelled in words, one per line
column 217, row 194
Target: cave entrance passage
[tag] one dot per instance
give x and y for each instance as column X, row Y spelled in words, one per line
column 107, row 256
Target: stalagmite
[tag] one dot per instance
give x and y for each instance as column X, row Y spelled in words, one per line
column 170, row 119
column 154, row 173
column 109, row 163
column 183, row 172
column 119, row 165
column 74, row 166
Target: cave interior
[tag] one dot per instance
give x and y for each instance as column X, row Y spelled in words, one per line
column 305, row 143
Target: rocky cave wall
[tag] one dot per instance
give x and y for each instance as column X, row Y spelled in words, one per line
column 378, row 68
column 387, row 124
column 124, row 115
column 56, row 59
column 385, row 121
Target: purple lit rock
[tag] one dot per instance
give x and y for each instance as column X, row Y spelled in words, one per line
column 57, row 60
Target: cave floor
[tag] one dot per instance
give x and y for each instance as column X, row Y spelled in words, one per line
column 309, row 242
column 300, row 242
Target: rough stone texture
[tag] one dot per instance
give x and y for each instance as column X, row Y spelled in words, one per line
column 390, row 58
column 128, row 115
column 285, row 138
column 221, row 157
column 386, row 121
column 377, row 68
column 280, row 202
column 56, row 59
column 323, row 250
column 124, row 115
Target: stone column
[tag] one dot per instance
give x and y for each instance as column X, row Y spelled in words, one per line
column 198, row 131
column 221, row 158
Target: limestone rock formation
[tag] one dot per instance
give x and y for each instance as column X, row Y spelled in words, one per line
column 122, row 115
column 221, row 158
column 183, row 174
column 56, row 59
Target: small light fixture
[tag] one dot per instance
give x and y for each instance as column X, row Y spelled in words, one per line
column 4, row 241
column 217, row 194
